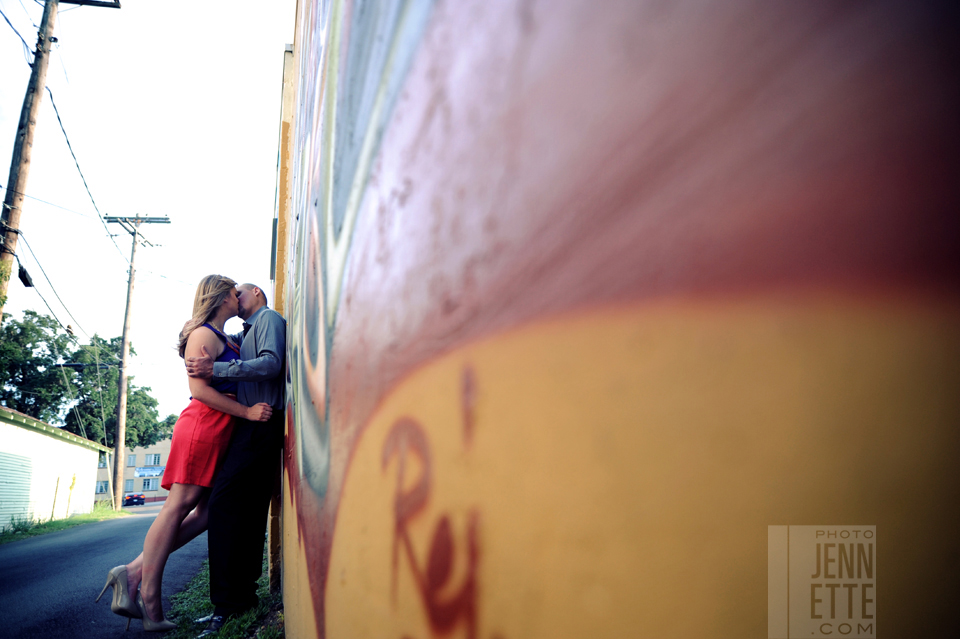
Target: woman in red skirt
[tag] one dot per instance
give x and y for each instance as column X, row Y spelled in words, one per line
column 200, row 439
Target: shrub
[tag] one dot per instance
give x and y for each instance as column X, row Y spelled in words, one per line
column 21, row 524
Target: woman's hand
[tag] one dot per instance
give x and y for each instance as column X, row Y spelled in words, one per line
column 259, row 412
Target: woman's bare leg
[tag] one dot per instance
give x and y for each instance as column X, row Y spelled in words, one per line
column 194, row 524
column 162, row 539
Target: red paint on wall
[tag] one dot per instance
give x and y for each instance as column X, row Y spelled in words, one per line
column 406, row 438
column 468, row 403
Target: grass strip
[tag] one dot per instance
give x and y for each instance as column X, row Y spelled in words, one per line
column 263, row 622
column 21, row 527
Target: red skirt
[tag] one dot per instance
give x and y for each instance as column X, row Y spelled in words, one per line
column 200, row 439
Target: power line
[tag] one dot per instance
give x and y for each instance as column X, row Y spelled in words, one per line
column 71, row 336
column 52, row 288
column 57, row 206
column 28, row 15
column 93, row 342
column 25, row 45
column 144, row 271
column 66, row 76
column 27, row 244
column 69, row 147
column 103, row 417
column 166, row 277
column 66, row 384
column 44, row 301
column 85, row 185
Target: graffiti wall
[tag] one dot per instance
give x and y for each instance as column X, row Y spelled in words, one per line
column 584, row 301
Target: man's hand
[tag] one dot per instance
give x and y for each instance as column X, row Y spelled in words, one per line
column 200, row 366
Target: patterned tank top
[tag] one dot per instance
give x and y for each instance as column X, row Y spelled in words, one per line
column 230, row 353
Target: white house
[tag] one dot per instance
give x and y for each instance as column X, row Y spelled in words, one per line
column 45, row 472
column 142, row 475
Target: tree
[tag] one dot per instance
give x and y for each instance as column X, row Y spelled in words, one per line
column 5, row 269
column 30, row 380
column 96, row 409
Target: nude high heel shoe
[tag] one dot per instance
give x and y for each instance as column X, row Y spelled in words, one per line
column 149, row 624
column 121, row 603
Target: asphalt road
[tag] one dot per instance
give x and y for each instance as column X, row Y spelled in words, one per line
column 48, row 583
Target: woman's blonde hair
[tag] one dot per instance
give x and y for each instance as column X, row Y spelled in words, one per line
column 211, row 292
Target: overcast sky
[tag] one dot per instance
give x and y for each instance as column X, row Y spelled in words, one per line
column 172, row 109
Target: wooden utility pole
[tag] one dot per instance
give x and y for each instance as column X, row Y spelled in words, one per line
column 23, row 148
column 132, row 226
column 23, row 143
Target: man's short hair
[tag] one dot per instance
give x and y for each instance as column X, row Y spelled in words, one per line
column 254, row 286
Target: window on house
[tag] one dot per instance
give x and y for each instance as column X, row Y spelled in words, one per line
column 101, row 487
column 151, row 483
column 132, row 460
column 152, row 460
column 102, row 463
column 128, row 486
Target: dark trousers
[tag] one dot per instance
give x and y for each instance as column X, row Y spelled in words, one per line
column 238, row 508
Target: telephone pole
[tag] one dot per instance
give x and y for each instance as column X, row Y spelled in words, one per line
column 23, row 148
column 23, row 143
column 132, row 226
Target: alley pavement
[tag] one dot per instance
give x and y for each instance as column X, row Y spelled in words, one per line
column 48, row 583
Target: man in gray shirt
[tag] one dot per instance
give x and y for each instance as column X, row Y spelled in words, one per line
column 242, row 489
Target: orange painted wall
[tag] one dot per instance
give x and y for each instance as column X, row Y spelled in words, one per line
column 581, row 301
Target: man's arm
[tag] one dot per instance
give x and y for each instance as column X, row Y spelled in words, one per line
column 270, row 337
column 200, row 389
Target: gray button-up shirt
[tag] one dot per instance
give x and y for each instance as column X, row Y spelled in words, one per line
column 260, row 369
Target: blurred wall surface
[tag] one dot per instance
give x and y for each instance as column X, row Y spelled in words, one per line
column 623, row 319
